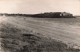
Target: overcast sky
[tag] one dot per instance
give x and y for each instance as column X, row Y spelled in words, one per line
column 39, row 6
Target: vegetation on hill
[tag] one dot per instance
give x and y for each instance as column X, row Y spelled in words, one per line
column 54, row 15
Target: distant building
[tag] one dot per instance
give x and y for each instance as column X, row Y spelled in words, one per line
column 64, row 14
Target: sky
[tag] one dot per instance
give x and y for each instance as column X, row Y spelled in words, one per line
column 39, row 6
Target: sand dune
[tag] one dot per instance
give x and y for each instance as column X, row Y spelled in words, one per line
column 15, row 27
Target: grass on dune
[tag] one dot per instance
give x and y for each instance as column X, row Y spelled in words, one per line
column 15, row 40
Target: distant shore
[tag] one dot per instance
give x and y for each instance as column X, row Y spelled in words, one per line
column 44, row 15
